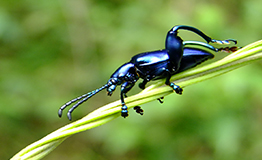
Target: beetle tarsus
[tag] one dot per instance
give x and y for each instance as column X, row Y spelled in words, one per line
column 139, row 110
column 124, row 112
column 176, row 88
column 160, row 100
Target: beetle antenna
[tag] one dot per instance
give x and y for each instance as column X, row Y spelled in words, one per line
column 81, row 99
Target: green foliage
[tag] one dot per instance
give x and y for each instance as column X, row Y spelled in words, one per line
column 52, row 51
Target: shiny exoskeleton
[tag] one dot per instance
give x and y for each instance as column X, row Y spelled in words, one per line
column 160, row 64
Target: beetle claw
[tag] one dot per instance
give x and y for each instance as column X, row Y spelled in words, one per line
column 159, row 99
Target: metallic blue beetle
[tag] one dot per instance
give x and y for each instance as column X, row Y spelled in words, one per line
column 161, row 64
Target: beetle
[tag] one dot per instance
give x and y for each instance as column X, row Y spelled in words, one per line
column 154, row 65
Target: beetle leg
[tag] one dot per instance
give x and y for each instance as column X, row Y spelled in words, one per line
column 139, row 110
column 200, row 44
column 201, row 34
column 175, row 87
column 227, row 41
column 225, row 49
column 192, row 29
column 142, row 85
column 125, row 87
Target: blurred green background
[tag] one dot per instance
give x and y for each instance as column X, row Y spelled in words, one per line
column 53, row 51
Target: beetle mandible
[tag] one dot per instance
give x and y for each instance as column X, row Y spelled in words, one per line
column 160, row 64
